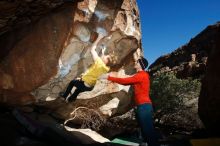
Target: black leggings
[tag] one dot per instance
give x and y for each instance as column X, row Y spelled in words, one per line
column 80, row 87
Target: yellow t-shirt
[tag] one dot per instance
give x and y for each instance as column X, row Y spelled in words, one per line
column 93, row 73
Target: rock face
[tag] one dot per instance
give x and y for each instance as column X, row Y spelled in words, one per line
column 39, row 58
column 32, row 55
column 16, row 13
column 209, row 100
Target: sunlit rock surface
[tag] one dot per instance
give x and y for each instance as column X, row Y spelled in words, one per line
column 40, row 56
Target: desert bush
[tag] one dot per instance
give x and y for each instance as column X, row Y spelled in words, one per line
column 169, row 93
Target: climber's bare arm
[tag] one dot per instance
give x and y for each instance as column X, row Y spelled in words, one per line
column 94, row 45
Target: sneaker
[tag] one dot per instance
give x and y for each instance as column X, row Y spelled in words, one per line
column 67, row 100
column 70, row 99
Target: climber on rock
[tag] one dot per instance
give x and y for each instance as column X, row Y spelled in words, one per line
column 88, row 79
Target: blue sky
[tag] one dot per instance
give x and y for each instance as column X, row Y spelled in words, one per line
column 169, row 24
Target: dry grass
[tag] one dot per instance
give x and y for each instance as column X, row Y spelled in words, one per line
column 90, row 118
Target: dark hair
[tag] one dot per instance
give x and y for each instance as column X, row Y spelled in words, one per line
column 143, row 62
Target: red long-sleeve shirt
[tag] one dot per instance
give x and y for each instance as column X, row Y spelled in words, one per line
column 141, row 83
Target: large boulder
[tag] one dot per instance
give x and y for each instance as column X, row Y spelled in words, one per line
column 209, row 100
column 45, row 55
column 38, row 59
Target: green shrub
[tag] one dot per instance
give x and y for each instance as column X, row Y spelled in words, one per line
column 168, row 93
